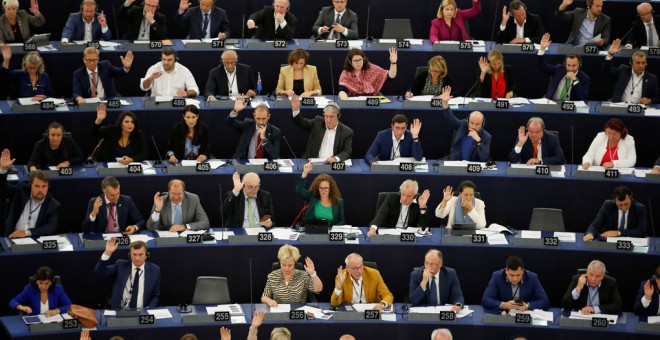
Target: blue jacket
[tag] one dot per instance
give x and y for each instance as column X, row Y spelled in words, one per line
column 450, row 288
column 622, row 73
column 75, row 28
column 652, row 309
column 82, row 84
column 580, row 91
column 608, row 219
column 480, row 152
column 551, row 152
column 127, row 214
column 381, row 148
column 121, row 271
column 31, row 296
column 193, row 20
column 247, row 128
column 499, row 290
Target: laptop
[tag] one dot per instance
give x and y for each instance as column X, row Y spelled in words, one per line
column 316, row 226
column 461, row 229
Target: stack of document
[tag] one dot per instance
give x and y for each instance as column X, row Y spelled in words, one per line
column 317, row 312
column 397, row 231
column 611, row 318
column 636, row 241
column 160, row 313
column 437, row 309
column 214, row 163
column 597, row 168
column 133, row 238
column 321, row 161
column 233, row 309
column 63, row 243
column 539, row 316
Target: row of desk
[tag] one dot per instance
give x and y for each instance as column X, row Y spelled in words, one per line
column 509, row 198
column 246, row 265
column 21, row 128
column 463, row 67
column 478, row 325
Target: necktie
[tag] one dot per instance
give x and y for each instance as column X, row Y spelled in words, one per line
column 278, row 31
column 111, row 219
column 259, row 148
column 536, row 149
column 564, row 90
column 135, row 289
column 649, row 30
column 433, row 293
column 205, row 26
column 251, row 222
column 94, row 83
column 622, row 224
column 177, row 214
column 335, row 35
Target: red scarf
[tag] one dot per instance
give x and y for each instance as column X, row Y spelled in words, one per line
column 369, row 83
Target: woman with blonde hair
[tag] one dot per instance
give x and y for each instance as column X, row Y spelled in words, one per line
column 450, row 25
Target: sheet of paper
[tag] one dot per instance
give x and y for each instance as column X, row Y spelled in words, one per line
column 160, row 313
column 652, row 112
column 216, row 163
column 50, row 319
column 361, row 307
column 103, row 43
column 425, row 98
column 27, row 101
column 498, row 228
column 542, row 101
column 254, row 231
column 535, row 234
column 233, row 309
column 26, row 240
column 163, row 98
column 192, row 232
column 109, row 312
column 518, row 101
column 396, row 231
column 636, row 241
column 140, row 237
column 497, row 239
column 281, row 308
column 221, row 236
column 284, row 234
column 653, row 319
column 564, row 236
column 317, row 312
column 641, row 173
column 166, row 233
column 611, row 318
column 238, row 319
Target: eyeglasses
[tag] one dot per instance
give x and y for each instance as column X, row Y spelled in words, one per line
column 150, row 5
column 431, row 264
column 355, row 61
column 356, row 268
column 91, row 60
column 252, row 187
column 324, row 188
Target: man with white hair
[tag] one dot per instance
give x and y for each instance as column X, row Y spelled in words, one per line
column 441, row 334
column 247, row 205
column 644, row 28
column 402, row 209
column 593, row 292
column 231, row 78
column 361, row 285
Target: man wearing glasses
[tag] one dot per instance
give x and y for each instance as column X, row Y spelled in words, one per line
column 361, row 285
column 336, row 22
column 143, row 23
column 434, row 284
column 94, row 80
column 246, row 206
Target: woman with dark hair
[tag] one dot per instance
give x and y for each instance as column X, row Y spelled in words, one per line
column 122, row 142
column 495, row 78
column 189, row 138
column 450, row 21
column 55, row 149
column 432, row 82
column 31, row 81
column 612, row 148
column 362, row 78
column 464, row 208
column 42, row 295
column 298, row 77
column 323, row 198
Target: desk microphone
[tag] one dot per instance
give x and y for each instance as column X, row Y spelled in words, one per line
column 89, row 162
column 492, row 33
column 572, row 143
column 652, row 224
column 625, row 35
column 332, row 78
column 366, row 35
column 114, row 17
column 290, row 149
column 222, row 216
column 243, row 28
column 158, row 163
column 250, row 268
column 467, row 94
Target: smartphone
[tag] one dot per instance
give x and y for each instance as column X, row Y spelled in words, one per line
column 654, row 283
column 520, row 302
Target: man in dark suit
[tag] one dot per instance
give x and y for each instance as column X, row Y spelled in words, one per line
column 177, row 211
column 644, row 27
column 76, row 27
column 95, row 78
column 336, row 22
column 328, row 138
column 32, row 211
column 528, row 143
column 620, row 216
column 471, row 141
column 231, row 78
column 273, row 22
column 514, row 288
column 594, row 292
column 248, row 206
column 143, row 22
column 112, row 212
column 434, row 284
column 633, row 83
column 259, row 139
column 203, row 21
column 568, row 82
column 524, row 28
column 402, row 209
column 407, row 142
column 648, row 298
column 597, row 23
column 137, row 282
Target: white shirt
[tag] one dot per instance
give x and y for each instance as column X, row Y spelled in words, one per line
column 29, row 216
column 232, row 84
column 282, row 24
column 129, row 289
column 328, row 144
column 520, row 30
column 100, row 92
column 396, row 150
column 170, row 82
column 358, row 290
column 402, row 222
column 633, row 91
column 539, row 154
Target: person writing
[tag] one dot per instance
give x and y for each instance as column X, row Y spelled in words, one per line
column 612, row 148
column 323, row 198
column 433, row 81
column 288, row 284
column 363, row 78
column 42, row 295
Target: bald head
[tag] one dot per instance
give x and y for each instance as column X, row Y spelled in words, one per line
column 346, row 337
column 476, row 121
column 645, row 12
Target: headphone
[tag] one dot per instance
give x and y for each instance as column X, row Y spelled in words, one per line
column 573, row 55
column 483, row 122
column 334, row 106
column 630, row 61
column 134, row 243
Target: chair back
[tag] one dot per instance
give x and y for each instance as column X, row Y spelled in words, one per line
column 381, row 198
column 211, row 290
column 421, row 69
column 397, row 29
column 547, row 219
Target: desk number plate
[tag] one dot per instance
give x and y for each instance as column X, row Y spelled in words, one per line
column 373, row 101
column 336, row 236
column 49, row 245
column 339, row 166
column 551, row 241
column 297, row 315
column 194, row 238
column 135, row 169
column 265, row 237
column 123, row 241
column 542, row 170
column 271, row 166
column 624, row 245
column 407, row 237
column 70, row 324
column 523, row 318
column 599, row 322
column 474, row 168
column 146, row 319
column 447, row 316
column 222, row 316
column 611, row 173
column 479, row 238
column 203, row 167
column 371, row 314
column 66, row 171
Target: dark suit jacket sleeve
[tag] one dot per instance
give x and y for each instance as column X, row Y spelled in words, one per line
column 581, row 90
column 139, row 146
column 229, row 207
column 483, row 149
column 553, row 149
column 158, row 30
column 490, row 300
column 451, row 119
column 418, row 220
column 637, row 224
column 418, row 84
column 290, row 29
column 383, row 213
column 539, row 299
column 654, row 91
column 303, row 123
column 67, row 32
column 339, row 218
column 536, row 29
column 513, row 156
column 598, row 224
column 210, row 89
column 456, row 293
column 49, row 217
column 79, row 88
column 416, row 294
column 345, row 144
column 134, row 216
column 272, row 147
column 201, row 220
column 414, row 147
column 610, row 299
column 268, row 203
column 567, row 301
column 374, row 151
column 88, row 226
column 639, row 309
column 153, row 301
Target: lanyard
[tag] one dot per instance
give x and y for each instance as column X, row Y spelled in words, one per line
column 515, row 292
column 357, row 288
column 590, row 302
column 395, row 150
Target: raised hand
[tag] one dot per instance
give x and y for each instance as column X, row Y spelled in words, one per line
column 6, row 53
column 295, row 103
column 239, row 103
column 149, row 16
column 102, row 20
column 309, row 266
column 225, row 333
column 648, row 289
column 415, row 127
column 341, row 275
column 506, row 15
column 34, row 7
column 522, row 136
column 615, row 47
column 250, row 24
column 483, row 65
column 258, row 318
column 100, row 113
column 110, row 246
column 445, row 96
column 127, row 61
column 393, row 55
column 447, row 193
column 158, row 202
column 307, row 168
column 238, row 185
column 545, row 42
column 183, row 5
column 5, row 160
column 423, row 199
